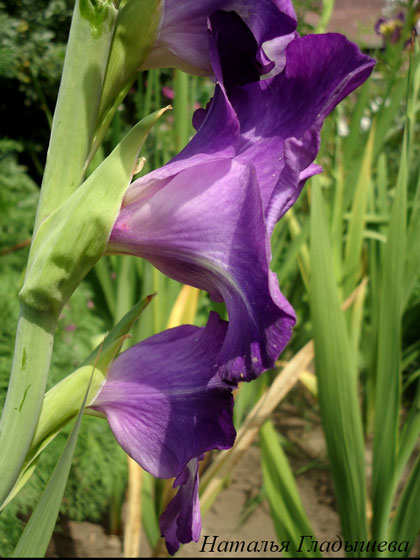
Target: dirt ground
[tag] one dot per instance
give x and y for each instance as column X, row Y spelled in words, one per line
column 355, row 19
column 307, row 455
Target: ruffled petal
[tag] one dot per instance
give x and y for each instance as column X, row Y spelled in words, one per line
column 281, row 117
column 181, row 521
column 164, row 400
column 182, row 41
column 218, row 140
column 206, row 217
column 205, row 227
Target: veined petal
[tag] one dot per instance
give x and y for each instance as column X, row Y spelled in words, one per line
column 182, row 41
column 280, row 118
column 206, row 217
column 181, row 521
column 218, row 139
column 205, row 227
column 164, row 400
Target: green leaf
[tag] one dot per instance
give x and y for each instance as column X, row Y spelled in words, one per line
column 135, row 34
column 77, row 106
column 337, row 381
column 409, row 435
column 391, row 105
column 351, row 143
column 293, row 251
column 149, row 514
column 181, row 109
column 289, row 517
column 387, row 384
column 357, row 221
column 39, row 529
column 303, row 257
column 103, row 275
column 61, row 403
column 413, row 241
column 406, row 525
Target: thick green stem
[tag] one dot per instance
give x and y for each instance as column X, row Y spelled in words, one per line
column 72, row 131
column 31, row 362
column 76, row 112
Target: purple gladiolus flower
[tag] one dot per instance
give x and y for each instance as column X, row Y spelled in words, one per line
column 182, row 38
column 390, row 28
column 206, row 218
column 167, row 405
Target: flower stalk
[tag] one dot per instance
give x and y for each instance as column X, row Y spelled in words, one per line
column 72, row 130
column 76, row 113
column 31, row 363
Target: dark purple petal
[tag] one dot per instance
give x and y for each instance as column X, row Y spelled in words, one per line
column 181, row 521
column 280, row 118
column 234, row 58
column 235, row 54
column 182, row 41
column 164, row 400
column 205, row 227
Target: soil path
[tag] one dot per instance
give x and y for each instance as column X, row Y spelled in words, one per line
column 355, row 19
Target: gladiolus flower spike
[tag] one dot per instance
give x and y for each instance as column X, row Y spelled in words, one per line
column 205, row 219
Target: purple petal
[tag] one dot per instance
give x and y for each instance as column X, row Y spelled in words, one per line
column 218, row 138
column 280, row 118
column 205, row 227
column 235, row 54
column 183, row 43
column 181, row 521
column 234, row 50
column 164, row 400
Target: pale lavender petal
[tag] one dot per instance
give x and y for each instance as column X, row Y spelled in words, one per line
column 165, row 401
column 275, row 50
column 205, row 227
column 181, row 521
column 218, row 139
column 182, row 41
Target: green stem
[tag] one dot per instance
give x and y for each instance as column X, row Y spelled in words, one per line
column 327, row 9
column 72, row 131
column 31, row 362
column 76, row 112
column 181, row 111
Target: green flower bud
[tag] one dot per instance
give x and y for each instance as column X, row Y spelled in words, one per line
column 135, row 34
column 73, row 238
